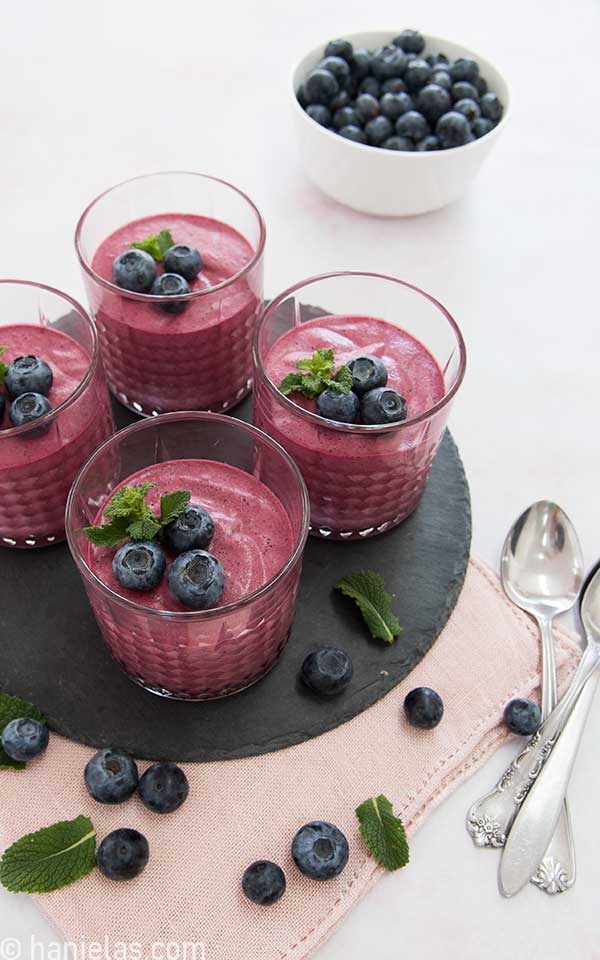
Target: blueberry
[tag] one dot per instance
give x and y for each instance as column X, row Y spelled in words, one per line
column 398, row 143
column 111, row 776
column 360, row 64
column 184, row 260
column 388, row 62
column 393, row 85
column 353, row 133
column 481, row 126
column 192, row 530
column 27, row 408
column 139, row 566
column 319, row 113
column 338, row 67
column 123, row 854
column 367, row 372
column 2, row 406
column 491, row 107
column 341, row 407
column 433, row 102
column 411, row 41
column 134, row 270
column 24, row 738
column 417, row 74
column 320, row 86
column 377, row 130
column 197, row 579
column 327, row 671
column 382, row 405
column 346, row 117
column 428, row 143
column 263, row 882
column 453, row 130
column 424, row 708
column 320, row 850
column 367, row 107
column 441, row 59
column 412, row 124
column 469, row 109
column 370, row 85
column 393, row 105
column 171, row 285
column 522, row 717
column 340, row 48
column 341, row 99
column 463, row 91
column 163, row 787
column 481, row 84
column 28, row 375
column 442, row 79
column 464, row 69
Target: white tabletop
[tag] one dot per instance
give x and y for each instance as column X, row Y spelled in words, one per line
column 94, row 93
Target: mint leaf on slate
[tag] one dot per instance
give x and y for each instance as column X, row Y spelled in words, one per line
column 3, row 366
column 13, row 708
column 130, row 517
column 156, row 245
column 51, row 858
column 383, row 833
column 319, row 376
column 172, row 505
column 368, row 591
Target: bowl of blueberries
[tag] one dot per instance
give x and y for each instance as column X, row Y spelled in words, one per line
column 396, row 124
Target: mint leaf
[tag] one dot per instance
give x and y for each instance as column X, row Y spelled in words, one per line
column 51, row 858
column 130, row 517
column 367, row 589
column 383, row 833
column 3, row 366
column 172, row 505
column 156, row 245
column 342, row 382
column 13, row 708
column 291, row 383
column 145, row 529
column 318, row 377
column 130, row 502
column 321, row 362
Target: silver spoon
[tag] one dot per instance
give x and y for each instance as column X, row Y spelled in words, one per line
column 542, row 572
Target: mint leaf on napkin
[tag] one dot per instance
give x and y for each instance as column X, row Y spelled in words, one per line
column 319, row 376
column 3, row 367
column 130, row 517
column 13, row 708
column 368, row 591
column 383, row 833
column 156, row 245
column 51, row 858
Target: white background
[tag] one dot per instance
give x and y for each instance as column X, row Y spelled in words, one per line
column 93, row 93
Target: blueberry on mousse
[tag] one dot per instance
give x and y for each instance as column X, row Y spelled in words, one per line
column 183, row 260
column 139, row 565
column 320, row 850
column 263, row 882
column 24, row 738
column 341, row 407
column 424, row 708
column 171, row 285
column 111, row 776
column 193, row 529
column 367, row 372
column 28, row 375
column 197, row 579
column 327, row 671
column 382, row 405
column 27, row 408
column 134, row 270
column 123, row 854
column 163, row 788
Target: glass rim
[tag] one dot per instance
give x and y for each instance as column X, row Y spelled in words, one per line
column 52, row 414
column 359, row 429
column 193, row 294
column 187, row 615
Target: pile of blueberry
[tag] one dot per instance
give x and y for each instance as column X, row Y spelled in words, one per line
column 27, row 382
column 397, row 98
column 196, row 577
column 136, row 270
column 369, row 400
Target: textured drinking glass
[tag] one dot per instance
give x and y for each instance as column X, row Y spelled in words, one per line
column 362, row 480
column 195, row 655
column 39, row 461
column 199, row 360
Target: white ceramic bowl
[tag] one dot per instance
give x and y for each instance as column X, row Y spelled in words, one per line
column 391, row 183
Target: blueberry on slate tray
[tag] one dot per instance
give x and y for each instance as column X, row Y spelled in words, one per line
column 367, row 107
column 342, row 407
column 320, row 86
column 412, row 124
column 522, row 717
column 377, row 130
column 338, row 67
column 171, row 285
column 345, row 117
column 139, row 565
column 382, row 405
column 469, row 109
column 353, row 133
column 163, row 787
column 28, row 375
column 27, row 408
column 327, row 671
column 411, row 41
column 320, row 850
column 491, row 108
column 134, row 270
column 192, row 530
column 123, row 854
column 197, row 579
column 184, row 260
column 388, row 62
column 417, row 74
column 319, row 113
column 430, row 142
column 398, row 143
column 393, row 105
column 453, row 130
column 393, row 85
column 464, row 69
column 481, row 126
column 367, row 373
column 340, row 48
column 424, row 708
column 111, row 776
column 263, row 882
column 24, row 738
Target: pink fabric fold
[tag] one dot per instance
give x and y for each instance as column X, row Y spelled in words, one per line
column 243, row 810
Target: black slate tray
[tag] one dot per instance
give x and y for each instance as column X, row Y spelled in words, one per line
column 51, row 651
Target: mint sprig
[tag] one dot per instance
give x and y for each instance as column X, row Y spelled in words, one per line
column 3, row 366
column 51, row 858
column 319, row 376
column 13, row 708
column 368, row 591
column 156, row 245
column 383, row 833
column 131, row 518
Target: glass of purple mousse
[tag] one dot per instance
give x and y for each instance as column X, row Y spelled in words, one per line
column 365, row 474
column 257, row 502
column 54, row 408
column 164, row 352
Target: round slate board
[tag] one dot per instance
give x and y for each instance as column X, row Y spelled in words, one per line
column 53, row 655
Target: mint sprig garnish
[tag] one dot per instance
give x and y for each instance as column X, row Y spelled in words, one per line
column 156, row 245
column 368, row 591
column 3, row 366
column 319, row 376
column 131, row 518
column 13, row 708
column 51, row 858
column 383, row 833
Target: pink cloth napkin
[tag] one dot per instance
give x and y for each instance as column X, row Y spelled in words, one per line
column 242, row 810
